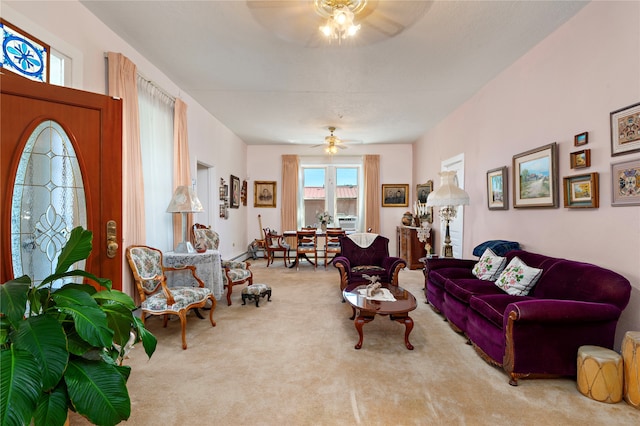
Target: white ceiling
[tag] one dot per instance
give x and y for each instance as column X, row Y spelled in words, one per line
column 262, row 70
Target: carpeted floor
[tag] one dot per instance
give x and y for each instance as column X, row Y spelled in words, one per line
column 292, row 362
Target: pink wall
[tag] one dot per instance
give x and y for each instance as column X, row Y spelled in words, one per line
column 566, row 85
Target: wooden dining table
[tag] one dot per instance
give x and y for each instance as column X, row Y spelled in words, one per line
column 319, row 233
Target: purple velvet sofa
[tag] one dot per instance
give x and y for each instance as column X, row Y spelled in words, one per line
column 537, row 335
column 355, row 261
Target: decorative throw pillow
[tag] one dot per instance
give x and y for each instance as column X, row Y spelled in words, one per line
column 518, row 279
column 489, row 266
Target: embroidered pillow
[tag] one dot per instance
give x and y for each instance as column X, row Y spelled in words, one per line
column 489, row 266
column 518, row 279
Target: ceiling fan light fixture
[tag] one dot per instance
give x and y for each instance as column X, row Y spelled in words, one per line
column 340, row 15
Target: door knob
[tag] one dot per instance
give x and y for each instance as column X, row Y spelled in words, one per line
column 112, row 239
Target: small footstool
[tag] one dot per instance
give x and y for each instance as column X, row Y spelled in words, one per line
column 600, row 374
column 631, row 357
column 255, row 292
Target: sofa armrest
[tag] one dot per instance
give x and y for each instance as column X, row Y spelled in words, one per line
column 561, row 311
column 441, row 262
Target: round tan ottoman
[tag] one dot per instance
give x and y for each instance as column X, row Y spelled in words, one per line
column 600, row 374
column 631, row 356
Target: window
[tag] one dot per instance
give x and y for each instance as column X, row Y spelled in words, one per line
column 335, row 188
column 59, row 69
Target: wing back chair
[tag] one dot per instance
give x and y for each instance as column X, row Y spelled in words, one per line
column 234, row 272
column 366, row 254
column 159, row 299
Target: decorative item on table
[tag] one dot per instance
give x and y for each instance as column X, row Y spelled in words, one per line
column 448, row 197
column 374, row 287
column 184, row 201
column 324, row 218
column 422, row 212
column 424, row 234
column 407, row 219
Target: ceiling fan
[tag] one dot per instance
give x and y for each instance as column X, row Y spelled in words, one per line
column 331, row 142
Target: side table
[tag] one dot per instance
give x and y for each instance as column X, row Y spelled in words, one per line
column 208, row 267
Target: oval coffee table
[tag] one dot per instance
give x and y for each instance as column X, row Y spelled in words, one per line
column 366, row 309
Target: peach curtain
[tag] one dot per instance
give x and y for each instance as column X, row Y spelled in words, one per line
column 289, row 211
column 372, row 193
column 123, row 84
column 181, row 169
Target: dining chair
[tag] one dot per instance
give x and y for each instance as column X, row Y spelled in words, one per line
column 156, row 297
column 332, row 243
column 275, row 243
column 306, row 244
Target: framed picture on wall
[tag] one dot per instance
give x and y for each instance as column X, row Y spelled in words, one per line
column 235, row 192
column 395, row 195
column 625, row 183
column 580, row 159
column 497, row 189
column 581, row 191
column 535, row 177
column 625, row 130
column 264, row 193
column 581, row 139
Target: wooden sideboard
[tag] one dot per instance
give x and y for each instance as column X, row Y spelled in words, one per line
column 409, row 246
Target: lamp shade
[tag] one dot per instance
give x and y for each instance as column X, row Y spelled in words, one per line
column 449, row 193
column 184, row 200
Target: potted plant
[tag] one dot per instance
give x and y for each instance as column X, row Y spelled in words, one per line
column 62, row 349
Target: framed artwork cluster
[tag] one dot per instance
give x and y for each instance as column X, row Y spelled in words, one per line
column 625, row 139
column 224, row 198
column 581, row 191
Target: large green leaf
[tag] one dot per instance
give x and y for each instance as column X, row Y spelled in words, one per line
column 52, row 407
column 78, row 247
column 90, row 321
column 44, row 338
column 120, row 320
column 19, row 386
column 103, row 282
column 13, row 299
column 149, row 341
column 98, row 391
column 115, row 296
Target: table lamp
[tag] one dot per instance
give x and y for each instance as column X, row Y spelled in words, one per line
column 184, row 201
column 448, row 197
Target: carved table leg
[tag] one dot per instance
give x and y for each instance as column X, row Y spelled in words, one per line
column 359, row 322
column 408, row 326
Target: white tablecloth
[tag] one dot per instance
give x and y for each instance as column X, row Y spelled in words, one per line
column 208, row 268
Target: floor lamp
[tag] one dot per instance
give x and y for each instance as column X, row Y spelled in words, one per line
column 448, row 197
column 184, row 201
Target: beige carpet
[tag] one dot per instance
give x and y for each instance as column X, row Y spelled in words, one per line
column 292, row 362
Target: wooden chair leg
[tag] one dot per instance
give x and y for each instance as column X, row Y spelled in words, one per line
column 183, row 326
column 229, row 291
column 213, row 307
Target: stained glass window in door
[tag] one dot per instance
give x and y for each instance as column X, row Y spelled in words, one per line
column 48, row 201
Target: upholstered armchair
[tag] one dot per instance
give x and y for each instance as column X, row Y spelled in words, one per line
column 234, row 272
column 159, row 299
column 366, row 254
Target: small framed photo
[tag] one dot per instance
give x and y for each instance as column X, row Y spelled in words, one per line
column 581, row 191
column 497, row 189
column 395, row 195
column 625, row 130
column 224, row 192
column 625, row 182
column 535, row 177
column 224, row 213
column 264, row 193
column 235, row 192
column 581, row 159
column 581, row 139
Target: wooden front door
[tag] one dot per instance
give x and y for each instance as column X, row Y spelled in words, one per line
column 61, row 167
